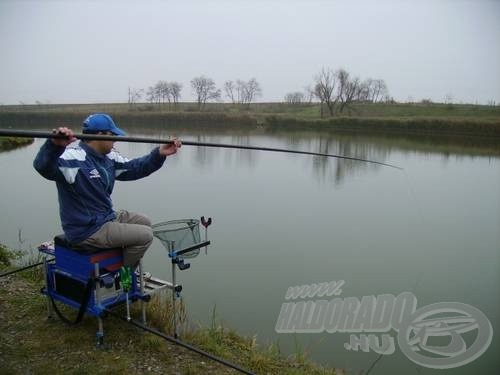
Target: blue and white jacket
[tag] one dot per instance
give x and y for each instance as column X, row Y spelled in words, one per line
column 85, row 181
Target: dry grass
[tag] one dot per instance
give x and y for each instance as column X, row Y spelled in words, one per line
column 31, row 343
column 385, row 117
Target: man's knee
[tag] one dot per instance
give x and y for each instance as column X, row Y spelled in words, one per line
column 144, row 235
column 144, row 220
column 149, row 234
column 127, row 217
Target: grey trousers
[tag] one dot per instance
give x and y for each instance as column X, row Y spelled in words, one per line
column 130, row 231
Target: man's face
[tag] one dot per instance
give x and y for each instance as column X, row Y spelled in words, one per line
column 105, row 147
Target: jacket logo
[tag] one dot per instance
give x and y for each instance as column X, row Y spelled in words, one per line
column 94, row 173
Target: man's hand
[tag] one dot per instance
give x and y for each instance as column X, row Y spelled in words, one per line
column 63, row 141
column 170, row 148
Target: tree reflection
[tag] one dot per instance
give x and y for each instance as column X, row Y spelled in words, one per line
column 203, row 155
column 376, row 146
column 245, row 157
column 333, row 169
column 325, row 169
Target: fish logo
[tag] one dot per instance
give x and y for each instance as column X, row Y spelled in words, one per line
column 444, row 323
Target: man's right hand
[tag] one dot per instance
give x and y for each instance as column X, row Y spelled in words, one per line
column 63, row 141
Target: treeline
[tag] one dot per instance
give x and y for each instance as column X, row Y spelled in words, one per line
column 337, row 90
column 239, row 92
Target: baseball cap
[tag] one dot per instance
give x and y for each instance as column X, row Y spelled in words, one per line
column 101, row 122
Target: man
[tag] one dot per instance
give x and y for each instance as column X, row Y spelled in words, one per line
column 85, row 174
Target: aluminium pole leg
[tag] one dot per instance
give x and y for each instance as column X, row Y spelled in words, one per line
column 174, row 297
column 141, row 283
column 128, row 306
column 46, row 279
column 100, row 333
column 100, row 328
column 173, row 257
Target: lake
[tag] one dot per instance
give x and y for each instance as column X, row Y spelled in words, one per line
column 282, row 220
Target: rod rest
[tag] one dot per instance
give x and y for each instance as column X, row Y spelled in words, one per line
column 191, row 248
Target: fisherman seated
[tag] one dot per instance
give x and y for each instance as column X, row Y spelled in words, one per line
column 85, row 174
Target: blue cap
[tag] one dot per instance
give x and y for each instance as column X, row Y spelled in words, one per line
column 101, row 122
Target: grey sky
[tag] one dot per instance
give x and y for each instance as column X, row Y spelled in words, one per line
column 92, row 51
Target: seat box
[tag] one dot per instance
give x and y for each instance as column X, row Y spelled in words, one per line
column 82, row 265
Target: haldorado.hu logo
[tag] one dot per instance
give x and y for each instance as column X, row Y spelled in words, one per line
column 377, row 314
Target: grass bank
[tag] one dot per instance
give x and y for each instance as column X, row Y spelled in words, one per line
column 32, row 343
column 303, row 111
column 421, row 125
column 458, row 119
column 9, row 143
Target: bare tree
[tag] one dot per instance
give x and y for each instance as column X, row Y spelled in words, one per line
column 294, row 98
column 152, row 95
column 252, row 90
column 163, row 92
column 241, row 92
column 175, row 89
column 205, row 90
column 379, row 90
column 372, row 90
column 338, row 90
column 364, row 91
column 309, row 93
column 134, row 95
column 324, row 90
column 347, row 89
column 229, row 89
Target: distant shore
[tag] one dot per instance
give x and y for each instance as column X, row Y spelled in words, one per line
column 448, row 119
column 10, row 143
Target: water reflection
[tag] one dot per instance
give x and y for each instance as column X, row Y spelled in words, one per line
column 376, row 147
column 249, row 158
column 327, row 169
column 203, row 153
column 324, row 169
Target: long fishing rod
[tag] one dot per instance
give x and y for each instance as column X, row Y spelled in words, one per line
column 96, row 137
column 179, row 342
column 20, row 269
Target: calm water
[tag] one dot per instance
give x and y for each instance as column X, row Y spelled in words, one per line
column 286, row 220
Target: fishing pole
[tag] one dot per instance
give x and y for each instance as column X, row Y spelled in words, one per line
column 179, row 342
column 20, row 269
column 98, row 137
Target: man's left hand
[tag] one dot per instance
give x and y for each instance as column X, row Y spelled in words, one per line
column 170, row 148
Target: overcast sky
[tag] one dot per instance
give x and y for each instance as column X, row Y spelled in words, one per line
column 92, row 51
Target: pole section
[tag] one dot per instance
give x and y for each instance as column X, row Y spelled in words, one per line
column 96, row 137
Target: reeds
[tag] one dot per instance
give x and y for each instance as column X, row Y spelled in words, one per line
column 379, row 117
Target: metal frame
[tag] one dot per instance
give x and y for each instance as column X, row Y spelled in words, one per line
column 100, row 299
